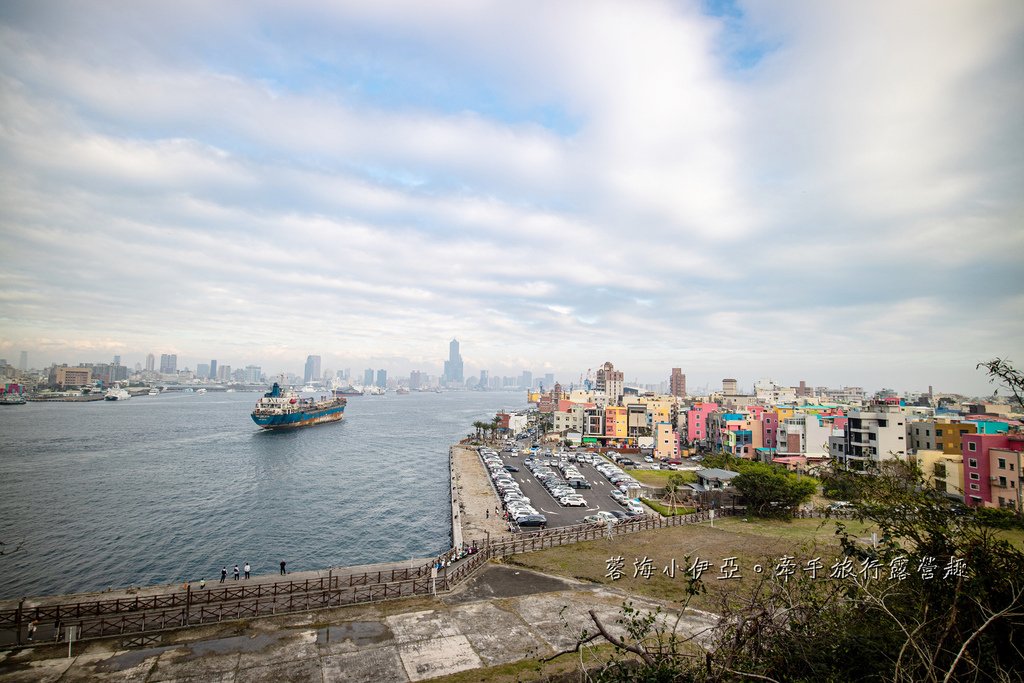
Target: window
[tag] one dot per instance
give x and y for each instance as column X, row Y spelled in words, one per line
column 971, row 446
column 975, row 476
column 972, row 462
column 975, row 487
column 938, row 432
column 927, row 432
column 1002, row 482
column 1002, row 463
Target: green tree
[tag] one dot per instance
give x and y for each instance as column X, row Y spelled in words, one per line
column 772, row 492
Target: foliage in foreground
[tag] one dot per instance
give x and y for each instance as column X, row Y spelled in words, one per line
column 939, row 598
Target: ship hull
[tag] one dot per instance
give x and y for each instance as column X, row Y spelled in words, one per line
column 299, row 419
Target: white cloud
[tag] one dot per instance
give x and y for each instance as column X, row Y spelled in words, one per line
column 558, row 182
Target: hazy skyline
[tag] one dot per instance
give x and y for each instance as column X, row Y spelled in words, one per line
column 818, row 191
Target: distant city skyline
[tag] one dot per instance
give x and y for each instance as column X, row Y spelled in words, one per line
column 826, row 192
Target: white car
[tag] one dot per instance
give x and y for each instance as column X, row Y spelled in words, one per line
column 573, row 501
column 636, row 507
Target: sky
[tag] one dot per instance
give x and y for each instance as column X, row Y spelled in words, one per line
column 826, row 191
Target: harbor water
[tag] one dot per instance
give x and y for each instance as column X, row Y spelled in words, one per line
column 170, row 488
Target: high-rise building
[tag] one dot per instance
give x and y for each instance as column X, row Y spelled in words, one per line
column 312, row 369
column 117, row 360
column 729, row 387
column 213, row 369
column 677, row 383
column 168, row 363
column 453, row 370
column 253, row 373
column 382, row 378
column 368, row 377
column 549, row 380
column 526, row 381
column 202, row 371
column 483, row 379
column 415, row 380
column 610, row 381
column 223, row 373
column 150, row 362
column 23, row 361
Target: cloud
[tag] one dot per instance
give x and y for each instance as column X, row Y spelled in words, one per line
column 780, row 191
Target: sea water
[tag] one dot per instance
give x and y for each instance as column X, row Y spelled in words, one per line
column 169, row 488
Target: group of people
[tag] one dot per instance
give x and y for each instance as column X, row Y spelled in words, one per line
column 235, row 573
column 455, row 555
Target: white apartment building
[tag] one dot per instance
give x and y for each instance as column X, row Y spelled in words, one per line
column 873, row 434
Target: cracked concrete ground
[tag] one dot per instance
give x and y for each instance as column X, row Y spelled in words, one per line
column 501, row 615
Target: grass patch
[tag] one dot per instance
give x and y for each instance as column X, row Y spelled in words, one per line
column 1014, row 537
column 665, row 510
column 660, row 477
column 757, row 542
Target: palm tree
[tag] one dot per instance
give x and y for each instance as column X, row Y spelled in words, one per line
column 479, row 426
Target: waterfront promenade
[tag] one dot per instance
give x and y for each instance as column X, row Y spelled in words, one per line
column 400, row 621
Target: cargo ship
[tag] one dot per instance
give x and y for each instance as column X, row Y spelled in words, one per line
column 281, row 409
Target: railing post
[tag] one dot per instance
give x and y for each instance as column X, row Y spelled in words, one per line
column 18, row 618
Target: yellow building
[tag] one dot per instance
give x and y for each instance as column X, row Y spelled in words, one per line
column 944, row 471
column 616, row 425
column 74, row 377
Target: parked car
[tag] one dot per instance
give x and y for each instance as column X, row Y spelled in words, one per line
column 619, row 496
column 511, row 468
column 539, row 521
column 635, row 507
column 573, row 501
column 579, row 484
column 600, row 516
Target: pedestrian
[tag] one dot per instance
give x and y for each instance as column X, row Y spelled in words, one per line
column 32, row 626
column 202, row 584
column 235, row 576
column 487, row 513
column 246, row 570
column 223, row 573
column 283, row 572
column 57, row 624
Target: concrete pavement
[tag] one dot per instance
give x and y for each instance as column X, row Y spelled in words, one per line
column 501, row 615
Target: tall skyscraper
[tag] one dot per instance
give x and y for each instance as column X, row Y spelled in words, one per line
column 202, row 371
column 453, row 366
column 213, row 369
column 415, row 380
column 526, row 381
column 150, row 362
column 312, row 369
column 368, row 377
column 252, row 373
column 677, row 383
column 23, row 361
column 483, row 379
column 610, row 381
column 382, row 378
column 168, row 363
column 549, row 381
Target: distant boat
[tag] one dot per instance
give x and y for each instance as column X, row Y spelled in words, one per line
column 12, row 394
column 309, row 389
column 200, row 391
column 348, row 391
column 230, row 391
column 401, row 391
column 117, row 394
column 154, row 392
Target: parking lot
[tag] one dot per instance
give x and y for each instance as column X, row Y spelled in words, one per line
column 525, row 483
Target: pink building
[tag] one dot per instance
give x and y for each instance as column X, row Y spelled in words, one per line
column 697, row 421
column 992, row 467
